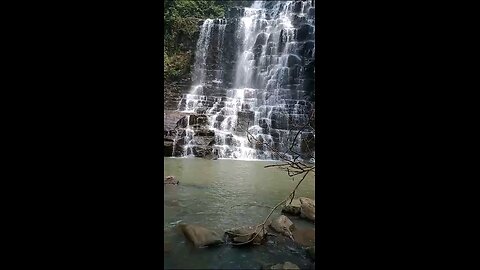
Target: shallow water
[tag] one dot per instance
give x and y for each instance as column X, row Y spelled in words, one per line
column 224, row 194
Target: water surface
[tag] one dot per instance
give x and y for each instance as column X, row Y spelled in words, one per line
column 223, row 194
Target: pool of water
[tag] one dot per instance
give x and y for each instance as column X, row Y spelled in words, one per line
column 224, row 194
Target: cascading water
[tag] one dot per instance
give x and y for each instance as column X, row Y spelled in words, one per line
column 252, row 72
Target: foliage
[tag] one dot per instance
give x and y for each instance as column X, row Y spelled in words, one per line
column 176, row 65
column 181, row 23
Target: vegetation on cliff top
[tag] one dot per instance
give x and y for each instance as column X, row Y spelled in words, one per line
column 181, row 18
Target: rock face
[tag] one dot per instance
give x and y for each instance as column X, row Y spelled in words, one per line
column 283, row 225
column 307, row 209
column 292, row 208
column 200, row 236
column 260, row 76
column 170, row 180
column 188, row 134
column 244, row 234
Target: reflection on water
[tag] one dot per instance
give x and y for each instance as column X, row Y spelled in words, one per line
column 223, row 194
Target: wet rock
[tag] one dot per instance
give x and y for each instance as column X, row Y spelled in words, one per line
column 298, row 20
column 279, row 120
column 178, row 149
column 201, row 110
column 200, row 236
column 293, row 60
column 283, row 225
column 307, row 49
column 261, row 39
column 204, row 132
column 297, row 7
column 304, row 236
column 171, row 118
column 204, row 140
column 182, row 123
column 245, row 119
column 311, row 12
column 198, row 119
column 246, row 233
column 305, row 32
column 292, row 208
column 171, row 180
column 280, row 266
column 167, row 148
column 311, row 252
column 202, row 151
column 307, row 208
column 235, row 12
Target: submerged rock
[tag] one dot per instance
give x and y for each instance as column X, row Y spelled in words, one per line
column 304, row 236
column 283, row 225
column 200, row 236
column 286, row 265
column 292, row 208
column 167, row 247
column 246, row 233
column 311, row 252
column 307, row 208
column 171, row 180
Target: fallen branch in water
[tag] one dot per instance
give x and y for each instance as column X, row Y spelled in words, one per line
column 251, row 204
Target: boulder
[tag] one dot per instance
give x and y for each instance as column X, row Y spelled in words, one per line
column 200, row 236
column 307, row 208
column 246, row 233
column 171, row 180
column 292, row 208
column 283, row 225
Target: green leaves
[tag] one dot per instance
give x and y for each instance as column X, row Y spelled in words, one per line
column 181, row 19
column 176, row 65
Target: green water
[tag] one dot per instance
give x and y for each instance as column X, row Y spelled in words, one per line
column 223, row 194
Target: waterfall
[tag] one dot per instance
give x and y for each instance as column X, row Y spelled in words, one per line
column 250, row 74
